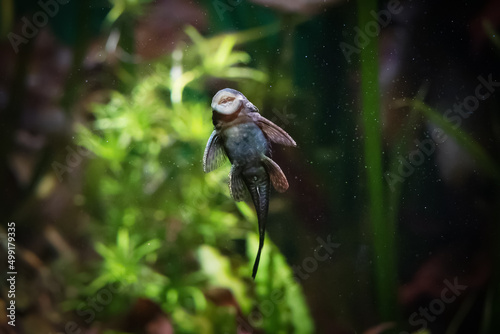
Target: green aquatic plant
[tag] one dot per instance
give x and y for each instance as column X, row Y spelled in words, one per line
column 213, row 57
column 382, row 227
column 472, row 147
column 120, row 7
column 123, row 262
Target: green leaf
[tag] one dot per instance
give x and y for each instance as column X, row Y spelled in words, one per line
column 146, row 248
column 462, row 138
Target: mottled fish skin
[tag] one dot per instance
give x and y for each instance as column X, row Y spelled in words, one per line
column 244, row 136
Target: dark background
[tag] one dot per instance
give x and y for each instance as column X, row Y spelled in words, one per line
column 439, row 224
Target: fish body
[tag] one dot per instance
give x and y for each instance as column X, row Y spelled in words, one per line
column 244, row 136
column 244, row 144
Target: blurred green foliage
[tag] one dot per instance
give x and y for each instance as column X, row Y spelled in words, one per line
column 120, row 7
column 165, row 230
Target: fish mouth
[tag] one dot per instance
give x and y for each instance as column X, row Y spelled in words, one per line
column 226, row 103
column 226, row 99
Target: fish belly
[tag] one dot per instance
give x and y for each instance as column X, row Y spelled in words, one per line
column 245, row 144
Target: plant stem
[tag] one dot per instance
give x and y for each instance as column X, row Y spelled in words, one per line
column 383, row 229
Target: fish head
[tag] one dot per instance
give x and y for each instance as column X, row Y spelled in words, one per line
column 227, row 101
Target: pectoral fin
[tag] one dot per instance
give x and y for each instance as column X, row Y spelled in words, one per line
column 273, row 132
column 214, row 155
column 236, row 184
column 278, row 179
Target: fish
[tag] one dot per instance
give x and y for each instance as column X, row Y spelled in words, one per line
column 244, row 136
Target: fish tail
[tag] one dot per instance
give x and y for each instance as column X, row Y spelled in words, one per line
column 260, row 197
column 257, row 259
